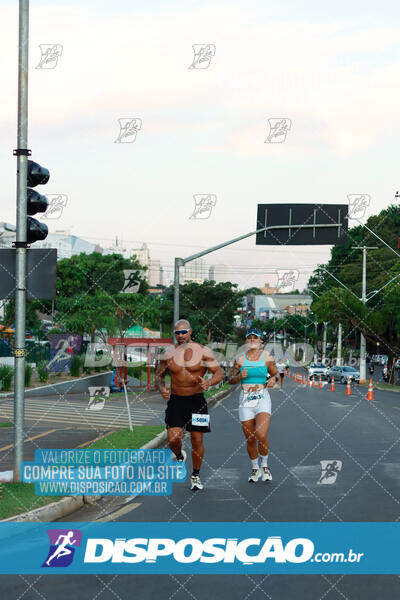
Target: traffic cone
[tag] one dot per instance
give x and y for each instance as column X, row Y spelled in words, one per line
column 332, row 389
column 348, row 388
column 313, row 381
column 320, row 386
column 308, row 381
column 370, row 393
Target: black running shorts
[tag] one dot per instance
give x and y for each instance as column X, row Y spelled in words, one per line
column 181, row 408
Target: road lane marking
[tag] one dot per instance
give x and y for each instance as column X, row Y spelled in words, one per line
column 35, row 437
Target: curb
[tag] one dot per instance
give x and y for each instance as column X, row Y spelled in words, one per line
column 70, row 504
column 50, row 512
column 58, row 387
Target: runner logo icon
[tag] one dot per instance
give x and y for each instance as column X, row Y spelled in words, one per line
column 62, row 547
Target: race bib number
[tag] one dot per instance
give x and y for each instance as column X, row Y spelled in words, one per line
column 252, row 399
column 200, row 420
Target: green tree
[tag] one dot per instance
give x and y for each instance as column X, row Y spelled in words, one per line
column 87, row 313
column 209, row 306
column 89, row 273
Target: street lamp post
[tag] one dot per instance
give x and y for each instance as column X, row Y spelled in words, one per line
column 180, row 262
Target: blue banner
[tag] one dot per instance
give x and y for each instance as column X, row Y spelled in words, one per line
column 115, row 472
column 212, row 548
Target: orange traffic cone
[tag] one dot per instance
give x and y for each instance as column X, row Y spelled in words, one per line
column 320, row 386
column 348, row 388
column 308, row 381
column 370, row 393
column 332, row 389
column 304, row 380
column 313, row 381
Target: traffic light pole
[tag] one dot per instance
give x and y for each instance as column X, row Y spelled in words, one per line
column 180, row 262
column 20, row 271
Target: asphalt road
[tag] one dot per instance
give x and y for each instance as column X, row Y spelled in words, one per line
column 63, row 421
column 359, row 440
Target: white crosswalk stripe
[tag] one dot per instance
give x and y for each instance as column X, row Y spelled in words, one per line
column 52, row 411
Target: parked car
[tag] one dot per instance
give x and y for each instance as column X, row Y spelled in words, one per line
column 343, row 373
column 379, row 359
column 317, row 369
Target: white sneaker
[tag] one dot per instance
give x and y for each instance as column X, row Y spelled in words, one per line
column 266, row 474
column 254, row 475
column 195, row 483
column 180, row 459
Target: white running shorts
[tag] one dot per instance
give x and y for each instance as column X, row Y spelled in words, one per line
column 253, row 403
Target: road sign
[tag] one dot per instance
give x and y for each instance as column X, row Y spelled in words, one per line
column 40, row 273
column 302, row 224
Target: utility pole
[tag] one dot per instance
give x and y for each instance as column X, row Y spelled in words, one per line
column 339, row 346
column 324, row 343
column 364, row 299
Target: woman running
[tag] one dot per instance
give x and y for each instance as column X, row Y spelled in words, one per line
column 251, row 368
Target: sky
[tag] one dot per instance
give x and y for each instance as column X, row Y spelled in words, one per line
column 332, row 69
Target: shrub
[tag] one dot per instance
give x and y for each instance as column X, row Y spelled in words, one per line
column 42, row 372
column 6, row 377
column 75, row 367
column 134, row 371
column 28, row 374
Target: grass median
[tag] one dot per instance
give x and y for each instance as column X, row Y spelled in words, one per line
column 17, row 498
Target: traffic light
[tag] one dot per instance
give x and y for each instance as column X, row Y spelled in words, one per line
column 36, row 202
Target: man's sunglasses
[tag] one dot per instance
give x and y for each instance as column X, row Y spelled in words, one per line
column 181, row 331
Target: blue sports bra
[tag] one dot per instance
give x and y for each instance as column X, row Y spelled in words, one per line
column 257, row 370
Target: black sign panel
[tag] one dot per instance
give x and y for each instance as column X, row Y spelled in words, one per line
column 302, row 224
column 40, row 271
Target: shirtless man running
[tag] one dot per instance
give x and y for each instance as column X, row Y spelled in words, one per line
column 187, row 364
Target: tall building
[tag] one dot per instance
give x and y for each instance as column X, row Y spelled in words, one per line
column 7, row 234
column 220, row 273
column 66, row 244
column 195, row 271
column 118, row 249
column 153, row 272
column 267, row 289
column 269, row 306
